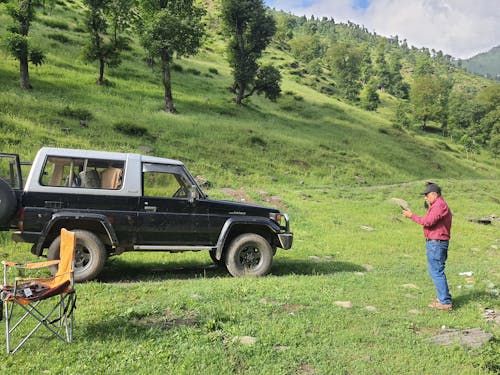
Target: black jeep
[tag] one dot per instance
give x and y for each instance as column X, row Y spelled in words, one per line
column 117, row 202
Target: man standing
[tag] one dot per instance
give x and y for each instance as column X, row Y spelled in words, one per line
column 437, row 227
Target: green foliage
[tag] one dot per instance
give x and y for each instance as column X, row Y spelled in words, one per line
column 268, row 82
column 249, row 30
column 489, row 97
column 369, row 96
column 306, row 47
column 495, row 146
column 429, row 98
column 17, row 45
column 36, row 56
column 401, row 117
column 345, row 61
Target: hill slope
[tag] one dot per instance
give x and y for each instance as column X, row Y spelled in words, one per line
column 485, row 64
column 304, row 137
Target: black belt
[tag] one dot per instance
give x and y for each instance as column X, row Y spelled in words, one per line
column 430, row 239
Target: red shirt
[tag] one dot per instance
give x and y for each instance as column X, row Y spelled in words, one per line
column 437, row 221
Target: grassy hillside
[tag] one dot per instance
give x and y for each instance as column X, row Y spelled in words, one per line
column 332, row 166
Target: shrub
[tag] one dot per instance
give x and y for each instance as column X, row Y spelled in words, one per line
column 78, row 113
column 130, row 129
column 177, row 68
column 213, row 71
column 193, row 71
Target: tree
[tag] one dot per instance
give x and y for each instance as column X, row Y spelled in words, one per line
column 306, row 47
column 249, row 29
column 369, row 96
column 495, row 146
column 345, row 61
column 101, row 46
column 401, row 117
column 170, row 28
column 18, row 43
column 106, row 20
column 429, row 98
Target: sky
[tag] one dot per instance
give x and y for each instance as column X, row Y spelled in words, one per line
column 460, row 28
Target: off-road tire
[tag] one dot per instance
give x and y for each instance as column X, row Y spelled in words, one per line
column 90, row 255
column 8, row 203
column 249, row 255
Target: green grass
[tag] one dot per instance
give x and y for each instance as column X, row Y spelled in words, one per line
column 177, row 314
column 335, row 168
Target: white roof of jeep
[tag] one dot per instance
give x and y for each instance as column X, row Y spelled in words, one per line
column 77, row 153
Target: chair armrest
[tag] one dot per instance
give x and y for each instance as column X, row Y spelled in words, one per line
column 42, row 264
column 9, row 264
column 31, row 265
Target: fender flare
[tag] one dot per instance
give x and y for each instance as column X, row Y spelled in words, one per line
column 259, row 221
column 59, row 217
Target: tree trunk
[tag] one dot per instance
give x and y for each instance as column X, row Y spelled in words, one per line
column 169, row 100
column 24, row 74
column 240, row 93
column 100, row 80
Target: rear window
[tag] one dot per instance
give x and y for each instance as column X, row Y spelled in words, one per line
column 82, row 173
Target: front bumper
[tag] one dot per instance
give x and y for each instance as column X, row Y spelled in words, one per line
column 286, row 240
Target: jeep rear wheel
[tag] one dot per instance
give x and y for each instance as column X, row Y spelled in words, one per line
column 8, row 203
column 249, row 255
column 90, row 255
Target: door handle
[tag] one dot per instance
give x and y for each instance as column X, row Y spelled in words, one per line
column 150, row 208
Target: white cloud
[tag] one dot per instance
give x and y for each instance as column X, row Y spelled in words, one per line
column 461, row 28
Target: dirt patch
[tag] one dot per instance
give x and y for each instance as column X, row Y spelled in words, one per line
column 237, row 194
column 274, row 200
column 473, row 338
column 242, row 196
column 306, row 369
column 292, row 308
column 168, row 320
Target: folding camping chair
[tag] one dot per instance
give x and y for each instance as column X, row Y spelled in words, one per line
column 49, row 301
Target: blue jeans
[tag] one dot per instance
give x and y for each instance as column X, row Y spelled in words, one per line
column 437, row 253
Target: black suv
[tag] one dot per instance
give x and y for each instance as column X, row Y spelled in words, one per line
column 117, row 202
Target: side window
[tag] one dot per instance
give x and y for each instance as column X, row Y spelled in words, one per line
column 164, row 182
column 85, row 173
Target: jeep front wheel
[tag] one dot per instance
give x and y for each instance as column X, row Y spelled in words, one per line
column 90, row 255
column 249, row 255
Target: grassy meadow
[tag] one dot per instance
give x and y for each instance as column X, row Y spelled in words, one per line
column 331, row 166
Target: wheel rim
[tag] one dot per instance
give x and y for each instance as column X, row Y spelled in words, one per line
column 82, row 258
column 250, row 257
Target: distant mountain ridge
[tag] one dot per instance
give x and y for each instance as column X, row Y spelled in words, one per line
column 486, row 64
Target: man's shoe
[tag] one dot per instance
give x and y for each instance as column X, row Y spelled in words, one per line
column 439, row 306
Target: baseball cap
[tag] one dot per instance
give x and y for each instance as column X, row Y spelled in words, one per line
column 431, row 188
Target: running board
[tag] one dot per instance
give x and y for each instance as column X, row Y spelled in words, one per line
column 172, row 248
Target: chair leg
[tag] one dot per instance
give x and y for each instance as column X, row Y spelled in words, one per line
column 7, row 328
column 64, row 320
